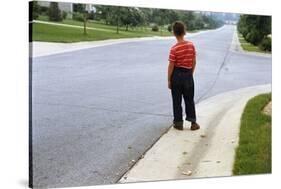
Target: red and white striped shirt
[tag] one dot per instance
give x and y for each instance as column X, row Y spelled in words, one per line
column 183, row 54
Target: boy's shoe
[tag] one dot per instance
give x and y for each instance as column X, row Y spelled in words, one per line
column 178, row 125
column 194, row 126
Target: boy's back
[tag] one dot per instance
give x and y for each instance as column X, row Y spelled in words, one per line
column 182, row 61
column 182, row 54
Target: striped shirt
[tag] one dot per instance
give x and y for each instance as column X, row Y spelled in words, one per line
column 183, row 54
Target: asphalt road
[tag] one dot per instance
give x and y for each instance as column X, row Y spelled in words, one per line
column 95, row 110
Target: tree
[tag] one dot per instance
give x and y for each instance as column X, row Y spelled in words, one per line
column 160, row 17
column 111, row 15
column 127, row 17
column 117, row 14
column 85, row 15
column 103, row 13
column 81, row 9
column 54, row 12
column 131, row 17
column 35, row 10
column 254, row 28
column 199, row 22
column 78, row 7
column 188, row 18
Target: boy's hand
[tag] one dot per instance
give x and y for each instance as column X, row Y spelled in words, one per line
column 170, row 72
column 169, row 85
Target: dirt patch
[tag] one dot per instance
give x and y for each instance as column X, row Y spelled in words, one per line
column 268, row 109
column 267, row 125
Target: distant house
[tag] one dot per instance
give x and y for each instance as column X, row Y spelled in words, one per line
column 67, row 7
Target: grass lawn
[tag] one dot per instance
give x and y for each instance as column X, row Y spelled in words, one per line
column 248, row 46
column 52, row 33
column 253, row 155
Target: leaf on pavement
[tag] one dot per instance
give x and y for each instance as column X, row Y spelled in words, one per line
column 188, row 173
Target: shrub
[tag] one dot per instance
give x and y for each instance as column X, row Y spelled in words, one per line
column 64, row 14
column 254, row 37
column 43, row 10
column 54, row 12
column 254, row 28
column 78, row 16
column 91, row 15
column 35, row 10
column 155, row 28
column 265, row 44
column 169, row 28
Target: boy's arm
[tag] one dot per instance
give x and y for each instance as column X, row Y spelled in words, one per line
column 170, row 72
column 194, row 65
column 194, row 61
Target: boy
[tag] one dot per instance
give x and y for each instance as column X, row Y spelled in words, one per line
column 182, row 61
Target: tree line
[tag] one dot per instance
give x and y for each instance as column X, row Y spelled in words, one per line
column 131, row 17
column 256, row 30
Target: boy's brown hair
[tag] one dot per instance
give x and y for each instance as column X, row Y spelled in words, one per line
column 179, row 28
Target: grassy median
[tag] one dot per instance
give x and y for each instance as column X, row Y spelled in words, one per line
column 253, row 155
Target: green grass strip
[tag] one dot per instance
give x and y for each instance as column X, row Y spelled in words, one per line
column 253, row 155
column 54, row 33
column 249, row 47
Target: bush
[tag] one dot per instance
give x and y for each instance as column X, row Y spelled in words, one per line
column 155, row 28
column 64, row 14
column 169, row 28
column 249, row 37
column 254, row 37
column 43, row 10
column 254, row 28
column 54, row 12
column 35, row 10
column 78, row 16
column 91, row 15
column 265, row 45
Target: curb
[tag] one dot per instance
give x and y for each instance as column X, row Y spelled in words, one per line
column 207, row 152
column 236, row 47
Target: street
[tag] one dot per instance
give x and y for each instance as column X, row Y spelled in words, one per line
column 96, row 111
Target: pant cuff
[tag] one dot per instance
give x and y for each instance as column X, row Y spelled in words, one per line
column 177, row 121
column 190, row 119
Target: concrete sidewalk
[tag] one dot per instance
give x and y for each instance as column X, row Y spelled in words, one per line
column 207, row 152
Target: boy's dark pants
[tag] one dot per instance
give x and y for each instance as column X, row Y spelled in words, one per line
column 183, row 86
